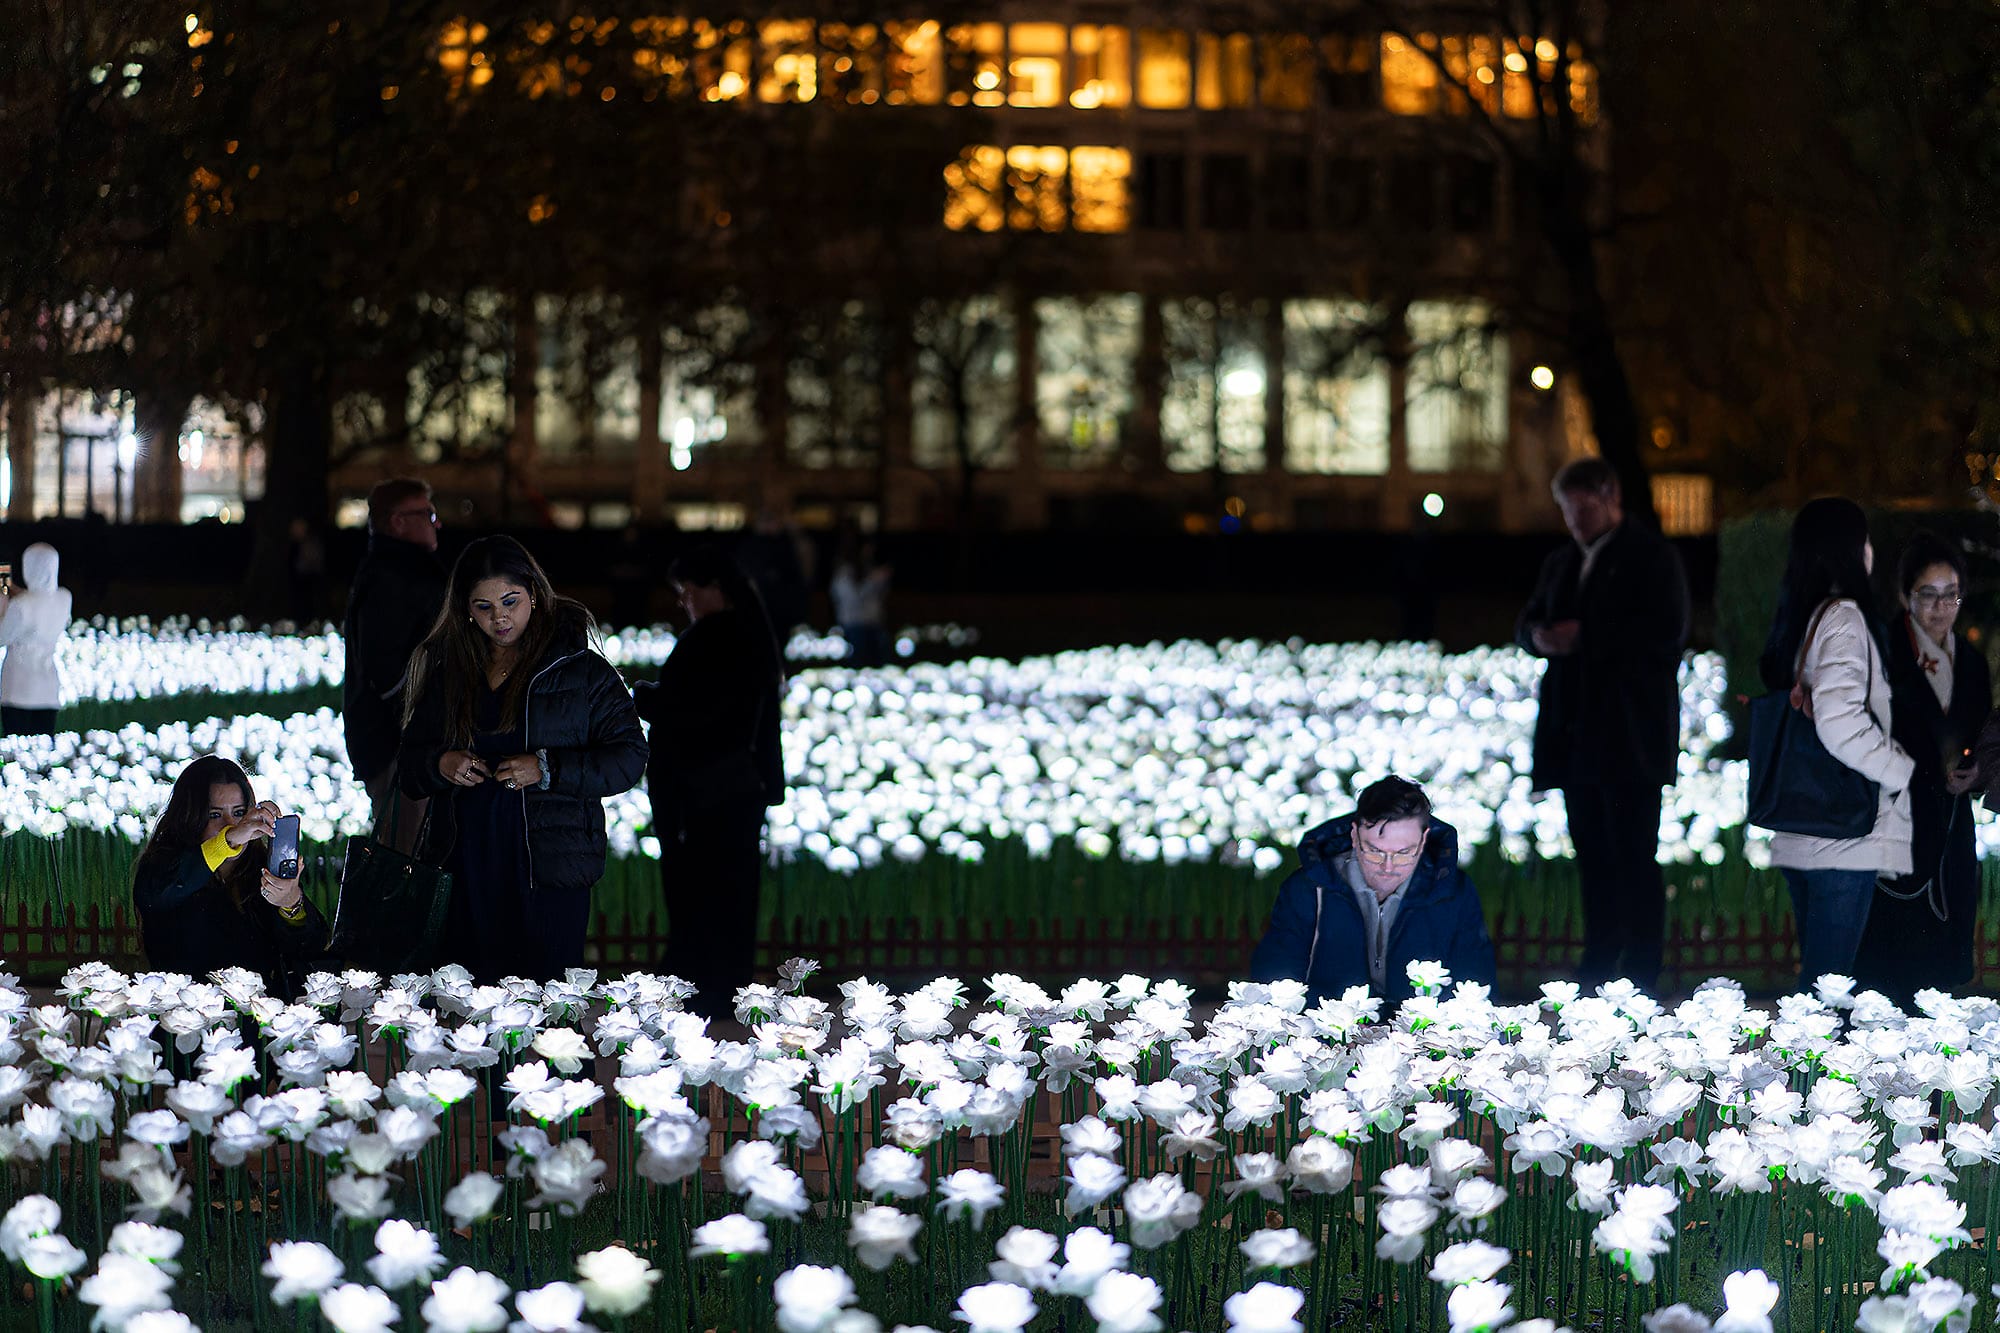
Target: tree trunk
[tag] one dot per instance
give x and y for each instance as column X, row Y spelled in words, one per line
column 21, row 404
column 156, row 480
column 298, row 437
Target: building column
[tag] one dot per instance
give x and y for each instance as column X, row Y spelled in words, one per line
column 901, row 505
column 649, row 459
column 521, row 476
column 1274, row 399
column 1398, row 487
column 21, row 412
column 1029, row 500
column 1149, row 378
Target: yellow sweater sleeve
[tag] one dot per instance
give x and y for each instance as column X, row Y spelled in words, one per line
column 217, row 851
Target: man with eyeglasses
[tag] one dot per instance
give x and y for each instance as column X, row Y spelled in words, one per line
column 1376, row 891
column 397, row 592
column 1610, row 615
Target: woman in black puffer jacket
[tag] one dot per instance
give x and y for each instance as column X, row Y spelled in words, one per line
column 517, row 729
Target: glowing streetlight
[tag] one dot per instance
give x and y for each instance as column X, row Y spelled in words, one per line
column 1542, row 378
column 1434, row 505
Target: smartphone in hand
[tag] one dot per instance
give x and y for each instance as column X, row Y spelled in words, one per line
column 284, row 860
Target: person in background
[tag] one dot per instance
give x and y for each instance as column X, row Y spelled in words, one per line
column 1920, row 930
column 1610, row 615
column 516, row 730
column 860, row 591
column 1826, row 641
column 393, row 604
column 33, row 620
column 1376, row 891
column 716, row 767
column 206, row 897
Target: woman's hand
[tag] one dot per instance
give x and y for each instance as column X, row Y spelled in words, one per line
column 523, row 770
column 462, row 768
column 1962, row 779
column 257, row 824
column 283, row 894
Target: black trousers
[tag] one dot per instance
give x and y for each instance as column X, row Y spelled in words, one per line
column 711, row 868
column 1616, row 829
column 27, row 721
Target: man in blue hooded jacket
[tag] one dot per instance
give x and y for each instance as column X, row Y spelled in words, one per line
column 1376, row 891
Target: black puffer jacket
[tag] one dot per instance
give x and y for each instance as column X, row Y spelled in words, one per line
column 189, row 923
column 715, row 709
column 577, row 709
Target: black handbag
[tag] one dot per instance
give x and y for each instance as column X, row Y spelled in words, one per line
column 1796, row 786
column 391, row 909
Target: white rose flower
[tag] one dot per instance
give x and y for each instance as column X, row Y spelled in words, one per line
column 1276, row 1249
column 472, row 1199
column 301, row 1268
column 730, row 1237
column 466, row 1301
column 1125, row 1303
column 995, row 1307
column 881, row 1235
column 616, row 1281
column 809, row 1297
column 1265, row 1308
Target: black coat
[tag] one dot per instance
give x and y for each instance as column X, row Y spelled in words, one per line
column 187, row 923
column 715, row 718
column 1611, row 710
column 577, row 708
column 393, row 604
column 1906, row 947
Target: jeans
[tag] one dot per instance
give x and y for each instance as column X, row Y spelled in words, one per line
column 1616, row 829
column 1830, row 908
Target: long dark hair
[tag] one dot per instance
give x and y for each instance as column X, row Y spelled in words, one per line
column 709, row 566
column 1825, row 561
column 459, row 653
column 179, row 829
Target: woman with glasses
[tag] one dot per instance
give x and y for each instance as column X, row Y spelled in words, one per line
column 1920, row 927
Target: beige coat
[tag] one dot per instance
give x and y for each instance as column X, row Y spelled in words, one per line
column 1844, row 670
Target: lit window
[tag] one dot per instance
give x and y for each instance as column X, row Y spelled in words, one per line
column 1582, row 87
column 460, row 403
column 1225, row 70
column 1086, row 351
column 915, row 72
column 1455, row 397
column 660, row 51
column 1163, row 68
column 1035, row 64
column 1336, row 390
column 972, row 190
column 462, row 55
column 1350, row 68
column 1103, row 56
column 707, row 387
column 1409, row 78
column 833, row 386
column 721, row 60
column 850, row 63
column 1035, row 188
column 787, row 68
column 1519, row 82
column 1290, row 67
column 1215, row 385
column 1099, row 180
column 972, row 64
column 963, row 394
column 1685, row 503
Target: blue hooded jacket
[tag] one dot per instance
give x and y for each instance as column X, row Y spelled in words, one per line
column 1317, row 934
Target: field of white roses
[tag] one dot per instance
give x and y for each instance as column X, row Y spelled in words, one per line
column 422, row 1153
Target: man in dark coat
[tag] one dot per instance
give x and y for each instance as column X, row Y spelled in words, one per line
column 1376, row 891
column 394, row 602
column 1610, row 614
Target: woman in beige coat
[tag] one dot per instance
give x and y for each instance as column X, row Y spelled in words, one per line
column 1827, row 638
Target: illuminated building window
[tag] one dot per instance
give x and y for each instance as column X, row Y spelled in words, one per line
column 1336, row 390
column 661, row 48
column 462, row 55
column 914, row 70
column 1035, row 57
column 787, row 64
column 707, row 387
column 1455, row 400
column 1103, row 66
column 1685, row 502
column 972, row 185
column 587, row 380
column 1163, row 68
column 1086, row 349
column 1099, row 180
column 850, row 63
column 963, row 391
column 1409, row 78
column 459, row 403
column 1582, row 87
column 1225, row 72
column 722, row 60
column 1475, row 64
column 972, row 56
column 1525, row 71
column 1035, row 188
column 1214, row 391
column 1290, row 68
column 1350, row 69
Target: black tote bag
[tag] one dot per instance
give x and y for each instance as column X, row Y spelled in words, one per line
column 392, row 907
column 1796, row 786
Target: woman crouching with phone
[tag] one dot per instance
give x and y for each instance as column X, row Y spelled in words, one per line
column 210, row 893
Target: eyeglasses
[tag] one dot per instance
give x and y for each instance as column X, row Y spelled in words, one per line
column 426, row 513
column 1937, row 597
column 1384, row 859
